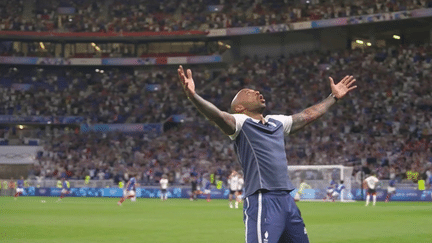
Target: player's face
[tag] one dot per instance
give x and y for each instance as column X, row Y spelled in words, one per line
column 252, row 100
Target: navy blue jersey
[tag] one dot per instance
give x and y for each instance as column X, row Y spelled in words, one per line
column 207, row 185
column 131, row 185
column 261, row 152
column 392, row 183
column 333, row 184
column 339, row 188
column 65, row 185
column 20, row 184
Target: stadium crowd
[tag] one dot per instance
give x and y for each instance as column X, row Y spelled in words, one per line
column 102, row 97
column 172, row 15
column 384, row 125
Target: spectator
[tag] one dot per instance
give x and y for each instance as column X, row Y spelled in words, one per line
column 173, row 15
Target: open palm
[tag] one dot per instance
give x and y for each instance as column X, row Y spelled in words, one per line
column 186, row 81
column 343, row 87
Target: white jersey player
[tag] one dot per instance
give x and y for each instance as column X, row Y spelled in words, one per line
column 164, row 186
column 233, row 185
column 371, row 183
column 239, row 191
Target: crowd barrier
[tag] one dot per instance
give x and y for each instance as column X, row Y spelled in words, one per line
column 359, row 194
column 150, row 192
column 135, row 61
column 39, row 119
column 178, row 192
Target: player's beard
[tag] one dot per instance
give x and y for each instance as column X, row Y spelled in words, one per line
column 260, row 108
column 256, row 107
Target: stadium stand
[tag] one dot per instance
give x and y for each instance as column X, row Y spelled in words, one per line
column 387, row 133
column 172, row 15
column 389, row 139
column 92, row 110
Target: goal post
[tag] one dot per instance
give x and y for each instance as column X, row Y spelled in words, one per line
column 318, row 177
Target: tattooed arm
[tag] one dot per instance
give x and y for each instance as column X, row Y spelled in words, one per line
column 312, row 113
column 225, row 121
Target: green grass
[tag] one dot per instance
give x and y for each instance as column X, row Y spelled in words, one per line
column 88, row 220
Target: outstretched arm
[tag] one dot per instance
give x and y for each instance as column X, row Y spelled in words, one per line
column 224, row 120
column 312, row 113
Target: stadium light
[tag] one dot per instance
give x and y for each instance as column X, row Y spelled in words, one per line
column 101, row 71
column 97, row 70
column 369, row 44
column 359, row 42
column 95, row 46
column 21, row 127
column 42, row 46
column 224, row 45
column 396, row 37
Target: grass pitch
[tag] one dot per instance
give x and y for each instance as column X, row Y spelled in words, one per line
column 88, row 220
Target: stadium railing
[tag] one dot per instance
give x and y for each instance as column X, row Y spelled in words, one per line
column 73, row 183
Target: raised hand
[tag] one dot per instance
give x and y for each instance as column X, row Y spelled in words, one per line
column 186, row 81
column 343, row 87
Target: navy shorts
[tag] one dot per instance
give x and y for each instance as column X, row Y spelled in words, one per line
column 273, row 217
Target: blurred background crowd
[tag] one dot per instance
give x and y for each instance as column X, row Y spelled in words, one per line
column 173, row 15
column 385, row 125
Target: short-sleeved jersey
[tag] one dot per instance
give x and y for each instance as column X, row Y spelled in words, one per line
column 207, row 185
column 372, row 181
column 65, row 185
column 333, row 184
column 261, row 152
column 163, row 183
column 240, row 184
column 131, row 185
column 20, row 184
column 339, row 188
column 233, row 182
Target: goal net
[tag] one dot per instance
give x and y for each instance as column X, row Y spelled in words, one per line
column 318, row 177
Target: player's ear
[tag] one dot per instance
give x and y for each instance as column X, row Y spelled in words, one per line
column 239, row 108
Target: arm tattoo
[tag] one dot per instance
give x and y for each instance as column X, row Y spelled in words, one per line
column 311, row 114
column 223, row 120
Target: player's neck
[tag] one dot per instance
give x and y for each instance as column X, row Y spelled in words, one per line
column 256, row 116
